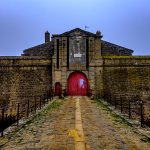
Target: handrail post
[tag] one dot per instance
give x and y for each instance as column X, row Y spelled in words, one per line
column 115, row 103
column 35, row 104
column 47, row 96
column 40, row 102
column 28, row 105
column 18, row 114
column 2, row 133
column 44, row 99
column 50, row 96
column 141, row 105
column 49, row 93
column 121, row 104
column 129, row 109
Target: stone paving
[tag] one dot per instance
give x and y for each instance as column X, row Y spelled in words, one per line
column 55, row 129
column 103, row 133
column 48, row 131
column 99, row 134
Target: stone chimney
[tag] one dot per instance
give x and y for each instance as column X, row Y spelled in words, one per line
column 47, row 37
column 98, row 34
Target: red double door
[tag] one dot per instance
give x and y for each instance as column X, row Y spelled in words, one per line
column 77, row 84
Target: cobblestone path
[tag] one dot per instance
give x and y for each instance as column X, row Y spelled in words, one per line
column 48, row 131
column 76, row 121
column 102, row 133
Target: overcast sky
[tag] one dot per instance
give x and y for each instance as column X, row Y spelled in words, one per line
column 123, row 22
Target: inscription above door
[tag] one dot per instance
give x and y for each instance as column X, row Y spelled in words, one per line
column 77, row 50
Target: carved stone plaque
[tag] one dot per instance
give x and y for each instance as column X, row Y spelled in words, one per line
column 77, row 49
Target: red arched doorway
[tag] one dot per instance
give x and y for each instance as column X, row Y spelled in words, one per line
column 77, row 84
column 57, row 88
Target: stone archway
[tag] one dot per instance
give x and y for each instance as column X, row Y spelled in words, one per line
column 77, row 84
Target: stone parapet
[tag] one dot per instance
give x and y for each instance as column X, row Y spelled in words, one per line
column 126, row 61
column 24, row 61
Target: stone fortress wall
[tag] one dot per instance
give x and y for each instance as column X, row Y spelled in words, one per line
column 22, row 78
column 127, row 78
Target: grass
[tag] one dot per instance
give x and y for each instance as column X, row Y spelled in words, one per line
column 146, row 139
column 53, row 106
column 116, row 117
column 120, row 119
column 128, row 57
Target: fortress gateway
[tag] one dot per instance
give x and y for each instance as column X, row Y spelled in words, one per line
column 77, row 64
column 74, row 63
